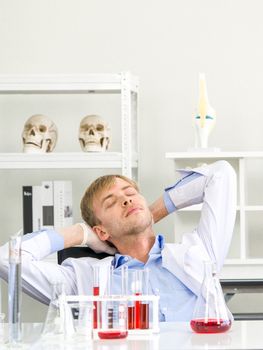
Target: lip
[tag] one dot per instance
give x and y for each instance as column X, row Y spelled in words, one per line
column 133, row 210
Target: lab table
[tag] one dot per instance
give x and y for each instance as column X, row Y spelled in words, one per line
column 174, row 335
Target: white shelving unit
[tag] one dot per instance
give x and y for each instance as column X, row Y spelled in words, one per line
column 240, row 265
column 125, row 160
column 123, row 84
column 65, row 160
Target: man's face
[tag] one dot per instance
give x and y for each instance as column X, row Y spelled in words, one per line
column 122, row 210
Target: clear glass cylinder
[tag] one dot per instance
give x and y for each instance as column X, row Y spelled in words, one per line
column 15, row 288
column 211, row 314
column 2, row 317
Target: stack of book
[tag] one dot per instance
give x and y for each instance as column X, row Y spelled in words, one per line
column 47, row 206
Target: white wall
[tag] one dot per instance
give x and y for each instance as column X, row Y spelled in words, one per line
column 166, row 43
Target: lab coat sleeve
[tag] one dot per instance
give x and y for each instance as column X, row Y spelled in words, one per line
column 37, row 275
column 216, row 190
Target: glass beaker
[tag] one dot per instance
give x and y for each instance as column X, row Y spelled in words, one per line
column 82, row 312
column 112, row 320
column 112, row 308
column 211, row 314
column 59, row 319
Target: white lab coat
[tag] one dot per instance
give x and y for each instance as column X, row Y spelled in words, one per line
column 210, row 240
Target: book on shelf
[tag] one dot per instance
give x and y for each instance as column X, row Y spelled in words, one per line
column 32, row 210
column 37, row 208
column 63, row 214
column 47, row 206
column 27, row 209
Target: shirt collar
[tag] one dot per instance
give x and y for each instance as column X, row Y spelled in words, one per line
column 157, row 247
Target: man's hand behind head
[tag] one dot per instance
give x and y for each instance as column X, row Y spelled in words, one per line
column 92, row 241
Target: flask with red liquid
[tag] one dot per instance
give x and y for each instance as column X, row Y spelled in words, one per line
column 211, row 314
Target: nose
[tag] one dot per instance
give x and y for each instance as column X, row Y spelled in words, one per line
column 33, row 132
column 91, row 132
column 126, row 202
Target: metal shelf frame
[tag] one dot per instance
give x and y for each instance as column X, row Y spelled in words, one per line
column 123, row 83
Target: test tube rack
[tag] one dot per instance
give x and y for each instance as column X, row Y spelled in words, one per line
column 153, row 299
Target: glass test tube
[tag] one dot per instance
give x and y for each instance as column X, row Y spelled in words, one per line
column 138, row 311
column 144, row 311
column 109, row 292
column 14, row 288
column 96, row 291
column 138, row 291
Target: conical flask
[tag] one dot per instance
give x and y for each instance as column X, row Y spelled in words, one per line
column 59, row 319
column 211, row 314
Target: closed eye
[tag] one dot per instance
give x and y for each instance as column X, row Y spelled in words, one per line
column 110, row 203
column 130, row 192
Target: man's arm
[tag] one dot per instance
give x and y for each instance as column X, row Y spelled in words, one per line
column 158, row 210
column 72, row 235
column 168, row 203
column 37, row 275
column 214, row 186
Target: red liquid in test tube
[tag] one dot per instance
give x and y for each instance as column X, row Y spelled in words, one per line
column 144, row 307
column 210, row 325
column 96, row 291
column 144, row 311
column 131, row 320
column 137, row 313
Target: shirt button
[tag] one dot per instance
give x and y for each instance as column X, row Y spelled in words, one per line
column 126, row 258
column 156, row 291
column 164, row 310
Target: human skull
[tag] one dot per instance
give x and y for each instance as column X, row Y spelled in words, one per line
column 94, row 134
column 39, row 135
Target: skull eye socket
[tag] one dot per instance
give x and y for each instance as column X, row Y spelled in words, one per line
column 100, row 127
column 28, row 127
column 85, row 127
column 42, row 128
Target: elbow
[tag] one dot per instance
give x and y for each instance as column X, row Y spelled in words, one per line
column 225, row 168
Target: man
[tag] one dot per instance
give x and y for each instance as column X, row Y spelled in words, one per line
column 119, row 216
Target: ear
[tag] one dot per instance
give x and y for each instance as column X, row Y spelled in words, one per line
column 101, row 232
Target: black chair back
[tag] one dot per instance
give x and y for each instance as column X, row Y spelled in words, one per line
column 79, row 252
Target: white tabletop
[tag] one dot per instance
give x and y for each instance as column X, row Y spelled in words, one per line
column 177, row 335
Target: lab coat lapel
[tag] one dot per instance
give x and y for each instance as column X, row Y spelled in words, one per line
column 185, row 261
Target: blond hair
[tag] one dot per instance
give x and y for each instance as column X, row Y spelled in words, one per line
column 95, row 188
